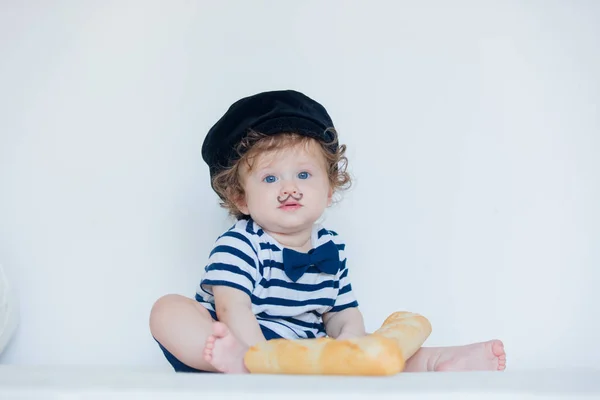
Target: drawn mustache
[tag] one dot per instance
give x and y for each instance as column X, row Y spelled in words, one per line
column 288, row 196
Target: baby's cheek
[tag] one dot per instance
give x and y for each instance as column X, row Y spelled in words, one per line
column 317, row 184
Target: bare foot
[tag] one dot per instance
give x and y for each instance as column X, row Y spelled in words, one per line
column 224, row 351
column 485, row 356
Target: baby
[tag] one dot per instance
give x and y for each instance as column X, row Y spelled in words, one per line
column 276, row 163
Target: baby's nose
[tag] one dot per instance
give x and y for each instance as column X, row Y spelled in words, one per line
column 289, row 188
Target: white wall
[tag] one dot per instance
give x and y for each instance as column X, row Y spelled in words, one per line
column 472, row 128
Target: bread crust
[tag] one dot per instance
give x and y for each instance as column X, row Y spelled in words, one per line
column 384, row 352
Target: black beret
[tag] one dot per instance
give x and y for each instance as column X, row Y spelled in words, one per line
column 269, row 113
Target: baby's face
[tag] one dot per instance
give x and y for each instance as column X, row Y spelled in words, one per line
column 287, row 190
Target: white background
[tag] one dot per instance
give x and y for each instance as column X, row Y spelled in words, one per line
column 473, row 130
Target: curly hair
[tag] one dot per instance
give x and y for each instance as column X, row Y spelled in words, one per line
column 227, row 183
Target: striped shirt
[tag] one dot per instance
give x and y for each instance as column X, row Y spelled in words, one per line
column 247, row 258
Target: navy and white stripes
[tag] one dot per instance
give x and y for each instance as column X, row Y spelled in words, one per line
column 248, row 259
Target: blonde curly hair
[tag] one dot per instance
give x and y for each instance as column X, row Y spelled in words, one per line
column 227, row 183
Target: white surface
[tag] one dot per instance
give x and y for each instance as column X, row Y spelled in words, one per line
column 8, row 311
column 108, row 383
column 473, row 136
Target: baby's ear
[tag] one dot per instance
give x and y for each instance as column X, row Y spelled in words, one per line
column 242, row 205
column 330, row 196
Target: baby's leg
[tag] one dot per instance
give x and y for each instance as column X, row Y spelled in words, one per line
column 484, row 356
column 182, row 325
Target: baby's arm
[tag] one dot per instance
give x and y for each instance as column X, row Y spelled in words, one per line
column 344, row 320
column 234, row 309
column 345, row 324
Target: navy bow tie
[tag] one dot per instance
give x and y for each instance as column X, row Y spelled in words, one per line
column 325, row 257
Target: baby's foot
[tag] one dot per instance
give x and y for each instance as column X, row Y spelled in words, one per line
column 224, row 351
column 485, row 356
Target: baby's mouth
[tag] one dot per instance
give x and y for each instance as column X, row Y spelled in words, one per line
column 290, row 205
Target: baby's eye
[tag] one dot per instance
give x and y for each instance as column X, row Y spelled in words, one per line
column 303, row 175
column 270, row 179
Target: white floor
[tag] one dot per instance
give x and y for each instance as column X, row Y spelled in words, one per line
column 26, row 382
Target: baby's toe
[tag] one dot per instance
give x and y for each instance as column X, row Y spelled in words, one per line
column 498, row 348
column 502, row 362
column 220, row 329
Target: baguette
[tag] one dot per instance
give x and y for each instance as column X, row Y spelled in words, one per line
column 408, row 330
column 383, row 352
